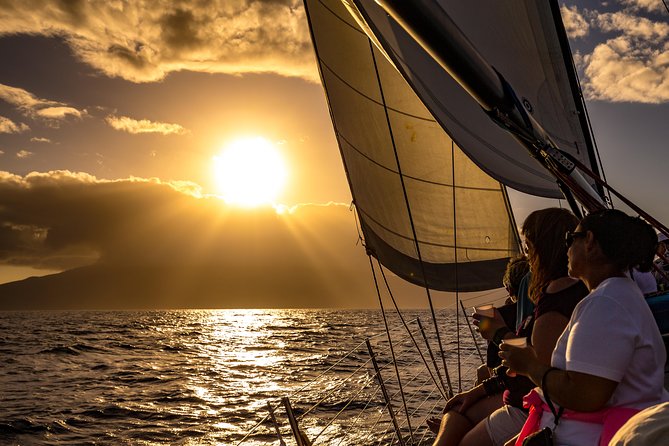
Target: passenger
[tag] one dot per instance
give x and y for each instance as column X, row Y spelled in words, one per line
column 645, row 280
column 478, row 416
column 609, row 362
column 661, row 262
column 516, row 270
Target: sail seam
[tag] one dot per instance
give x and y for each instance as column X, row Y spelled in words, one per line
column 342, row 19
column 492, row 148
column 372, row 99
column 422, row 180
column 424, row 242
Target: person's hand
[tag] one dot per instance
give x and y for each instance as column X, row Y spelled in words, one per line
column 519, row 360
column 487, row 326
column 463, row 401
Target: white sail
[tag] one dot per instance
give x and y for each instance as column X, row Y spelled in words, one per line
column 417, row 195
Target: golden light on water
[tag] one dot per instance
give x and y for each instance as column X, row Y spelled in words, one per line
column 250, row 172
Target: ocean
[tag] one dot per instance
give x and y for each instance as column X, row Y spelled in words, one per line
column 205, row 377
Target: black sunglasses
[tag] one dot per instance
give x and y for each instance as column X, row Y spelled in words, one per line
column 570, row 236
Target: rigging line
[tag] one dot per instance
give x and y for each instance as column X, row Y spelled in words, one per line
column 248, row 434
column 301, row 389
column 478, row 349
column 406, row 200
column 664, row 2
column 390, row 342
column 352, row 425
column 329, row 423
column 331, row 391
column 455, row 252
column 357, row 418
column 399, row 313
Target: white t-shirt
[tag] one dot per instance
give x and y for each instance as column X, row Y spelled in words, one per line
column 611, row 334
column 645, row 281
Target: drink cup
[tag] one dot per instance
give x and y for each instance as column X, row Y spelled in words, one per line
column 516, row 342
column 485, row 310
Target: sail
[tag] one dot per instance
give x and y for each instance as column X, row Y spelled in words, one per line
column 521, row 40
column 427, row 212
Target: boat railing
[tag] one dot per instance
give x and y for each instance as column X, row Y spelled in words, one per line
column 380, row 392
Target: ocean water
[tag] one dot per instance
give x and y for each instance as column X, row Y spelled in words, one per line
column 190, row 377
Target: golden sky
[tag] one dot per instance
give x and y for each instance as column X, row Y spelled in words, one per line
column 112, row 113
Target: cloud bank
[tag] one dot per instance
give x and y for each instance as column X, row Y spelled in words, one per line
column 171, row 234
column 144, row 40
column 134, row 126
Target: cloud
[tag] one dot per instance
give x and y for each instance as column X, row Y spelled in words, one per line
column 23, row 154
column 59, row 220
column 144, row 40
column 8, row 126
column 30, row 105
column 647, row 5
column 45, row 140
column 134, row 126
column 632, row 65
column 574, row 22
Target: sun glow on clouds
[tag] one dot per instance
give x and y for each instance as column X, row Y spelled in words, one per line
column 250, row 172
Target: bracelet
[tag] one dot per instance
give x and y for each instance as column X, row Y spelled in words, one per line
column 499, row 335
column 493, row 385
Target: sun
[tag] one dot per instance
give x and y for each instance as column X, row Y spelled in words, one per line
column 250, row 172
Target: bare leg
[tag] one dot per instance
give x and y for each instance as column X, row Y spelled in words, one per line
column 484, row 407
column 453, row 427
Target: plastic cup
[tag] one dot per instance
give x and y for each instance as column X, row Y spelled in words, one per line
column 485, row 310
column 516, row 342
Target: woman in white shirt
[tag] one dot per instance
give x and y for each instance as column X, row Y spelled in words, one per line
column 611, row 354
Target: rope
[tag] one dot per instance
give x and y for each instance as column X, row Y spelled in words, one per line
column 455, row 253
column 472, row 332
column 413, row 339
column 390, row 342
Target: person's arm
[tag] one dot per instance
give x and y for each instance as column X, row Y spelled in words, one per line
column 547, row 329
column 572, row 390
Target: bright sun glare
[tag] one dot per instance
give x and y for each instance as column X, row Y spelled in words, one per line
column 250, row 172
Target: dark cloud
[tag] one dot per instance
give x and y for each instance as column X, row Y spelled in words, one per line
column 144, row 40
column 168, row 232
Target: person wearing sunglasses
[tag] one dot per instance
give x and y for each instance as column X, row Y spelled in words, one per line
column 492, row 413
column 609, row 361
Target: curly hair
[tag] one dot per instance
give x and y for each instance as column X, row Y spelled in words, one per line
column 627, row 242
column 516, row 269
column 544, row 231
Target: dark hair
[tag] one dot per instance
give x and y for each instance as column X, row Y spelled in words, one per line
column 545, row 230
column 516, row 269
column 627, row 242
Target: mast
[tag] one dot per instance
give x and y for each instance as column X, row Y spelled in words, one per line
column 591, row 147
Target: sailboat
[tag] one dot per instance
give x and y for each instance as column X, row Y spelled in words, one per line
column 437, row 111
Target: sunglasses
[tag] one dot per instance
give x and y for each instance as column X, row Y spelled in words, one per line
column 570, row 236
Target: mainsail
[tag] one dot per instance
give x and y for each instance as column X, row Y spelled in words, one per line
column 425, row 163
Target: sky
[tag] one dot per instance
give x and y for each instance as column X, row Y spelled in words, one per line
column 113, row 114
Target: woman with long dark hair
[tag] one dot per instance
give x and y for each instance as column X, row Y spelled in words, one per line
column 492, row 413
column 609, row 362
